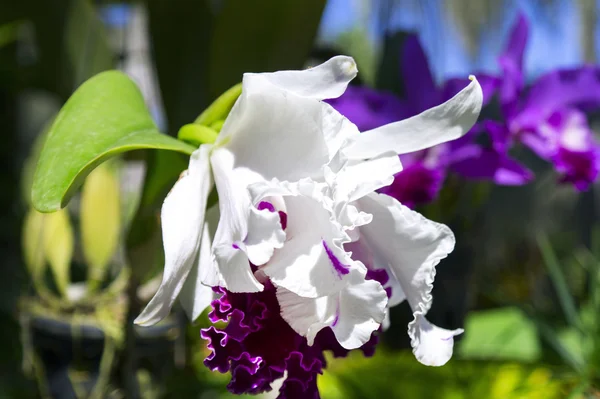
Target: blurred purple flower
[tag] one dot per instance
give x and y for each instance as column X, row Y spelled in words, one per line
column 547, row 118
column 424, row 171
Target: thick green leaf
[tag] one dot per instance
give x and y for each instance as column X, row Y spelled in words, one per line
column 100, row 220
column 143, row 242
column 104, row 117
column 388, row 73
column 261, row 36
column 501, row 334
column 180, row 32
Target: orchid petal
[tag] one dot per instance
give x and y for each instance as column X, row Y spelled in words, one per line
column 328, row 80
column 208, row 269
column 307, row 316
column 228, row 245
column 182, row 216
column 277, row 134
column 418, row 81
column 312, row 263
column 412, row 246
column 432, row 345
column 515, row 47
column 362, row 309
column 359, row 178
column 353, row 313
column 264, row 235
column 573, row 87
column 437, row 125
column 197, row 294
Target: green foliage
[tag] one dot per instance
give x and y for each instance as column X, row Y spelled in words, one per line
column 219, row 109
column 356, row 44
column 500, row 334
column 260, row 36
column 104, row 117
column 399, row 375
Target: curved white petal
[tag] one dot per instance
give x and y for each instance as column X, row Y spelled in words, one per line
column 277, row 134
column 358, row 178
column 307, row 316
column 362, row 309
column 412, row 246
column 328, row 80
column 232, row 230
column 208, row 270
column 353, row 313
column 197, row 293
column 312, row 262
column 374, row 261
column 235, row 269
column 182, row 218
column 432, row 345
column 445, row 122
column 195, row 296
column 264, row 235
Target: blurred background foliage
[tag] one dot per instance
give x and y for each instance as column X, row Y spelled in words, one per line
column 524, row 281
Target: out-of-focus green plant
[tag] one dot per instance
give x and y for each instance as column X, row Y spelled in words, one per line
column 397, row 375
column 575, row 339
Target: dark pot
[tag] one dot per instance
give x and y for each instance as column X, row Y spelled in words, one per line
column 71, row 355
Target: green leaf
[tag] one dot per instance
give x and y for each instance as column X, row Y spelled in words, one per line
column 261, row 36
column 552, row 338
column 388, row 73
column 182, row 68
column 500, row 334
column 143, row 242
column 573, row 341
column 104, row 117
column 58, row 248
column 565, row 298
column 100, row 221
column 220, row 108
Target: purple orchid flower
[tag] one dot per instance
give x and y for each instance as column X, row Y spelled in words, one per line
column 424, row 171
column 548, row 118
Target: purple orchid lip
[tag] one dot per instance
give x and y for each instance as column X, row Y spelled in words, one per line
column 257, row 346
column 339, row 267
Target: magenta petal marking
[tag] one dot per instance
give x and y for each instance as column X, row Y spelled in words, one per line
column 265, row 205
column 262, row 205
column 339, row 267
column 283, row 219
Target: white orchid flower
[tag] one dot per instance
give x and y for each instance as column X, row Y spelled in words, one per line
column 278, row 128
column 283, row 149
